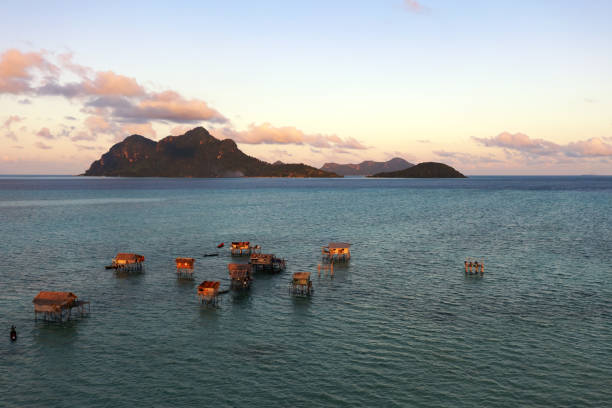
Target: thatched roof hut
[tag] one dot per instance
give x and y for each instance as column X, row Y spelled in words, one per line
column 301, row 284
column 53, row 302
column 301, row 278
column 241, row 245
column 127, row 259
column 240, row 248
column 184, row 263
column 239, row 271
column 208, row 291
column 209, row 288
column 338, row 247
column 263, row 259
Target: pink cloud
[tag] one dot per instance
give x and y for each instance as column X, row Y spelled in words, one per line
column 105, row 83
column 351, row 143
column 12, row 119
column 117, row 103
column 519, row 142
column 414, row 6
column 65, row 60
column 170, row 105
column 592, row 148
column 16, row 70
column 109, row 83
column 121, row 97
column 269, row 134
column 466, row 158
column 45, row 133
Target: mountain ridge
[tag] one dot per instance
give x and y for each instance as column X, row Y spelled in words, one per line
column 194, row 154
column 367, row 167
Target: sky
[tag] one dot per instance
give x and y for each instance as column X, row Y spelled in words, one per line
column 489, row 87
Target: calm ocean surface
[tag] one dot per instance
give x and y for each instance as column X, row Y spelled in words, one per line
column 401, row 326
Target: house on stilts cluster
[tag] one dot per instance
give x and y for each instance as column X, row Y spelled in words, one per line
column 266, row 262
column 58, row 306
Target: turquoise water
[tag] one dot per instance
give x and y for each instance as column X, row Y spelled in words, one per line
column 401, row 326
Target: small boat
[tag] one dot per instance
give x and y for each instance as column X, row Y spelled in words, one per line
column 215, row 254
column 13, row 333
column 110, row 267
column 221, row 245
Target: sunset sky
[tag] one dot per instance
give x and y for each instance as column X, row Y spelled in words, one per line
column 489, row 87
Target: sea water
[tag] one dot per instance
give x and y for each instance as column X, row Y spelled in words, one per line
column 401, row 325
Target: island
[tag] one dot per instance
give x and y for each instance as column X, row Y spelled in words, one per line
column 194, row 154
column 424, row 170
column 368, row 167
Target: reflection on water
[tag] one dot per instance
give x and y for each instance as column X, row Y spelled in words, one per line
column 135, row 275
column 51, row 333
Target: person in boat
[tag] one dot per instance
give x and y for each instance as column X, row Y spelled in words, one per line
column 13, row 333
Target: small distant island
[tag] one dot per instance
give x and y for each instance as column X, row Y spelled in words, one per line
column 424, row 170
column 195, row 154
column 368, row 167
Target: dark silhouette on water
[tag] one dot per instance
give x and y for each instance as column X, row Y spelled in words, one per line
column 424, row 170
column 13, row 333
column 195, row 154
